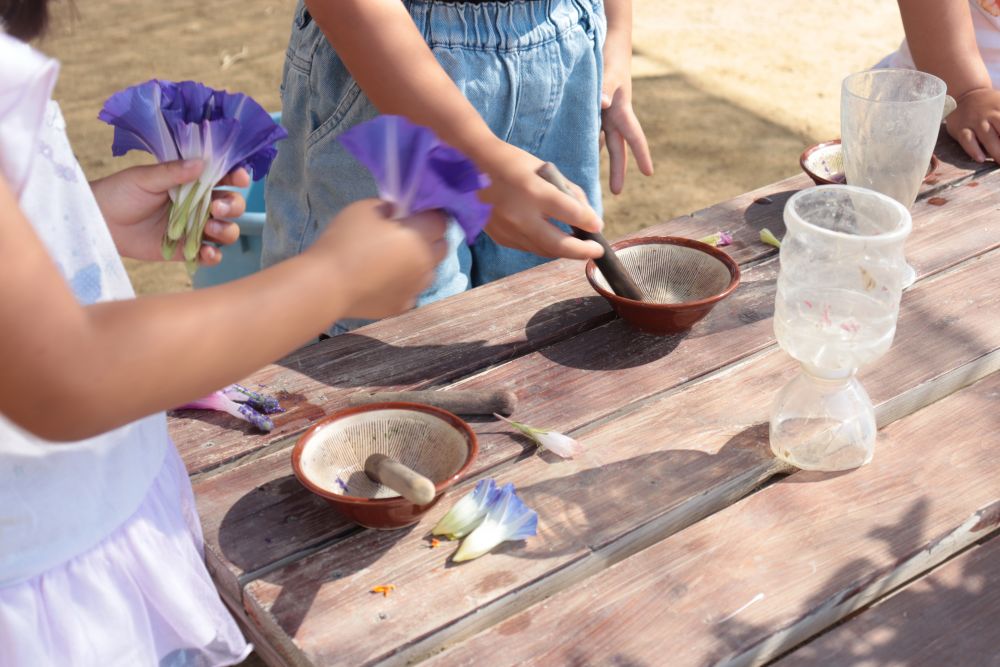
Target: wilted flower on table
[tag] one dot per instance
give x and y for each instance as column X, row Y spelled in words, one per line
column 718, row 239
column 187, row 120
column 770, row 239
column 557, row 443
column 259, row 402
column 415, row 171
column 508, row 519
column 469, row 511
column 241, row 403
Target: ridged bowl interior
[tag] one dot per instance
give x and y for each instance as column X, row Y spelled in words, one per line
column 825, row 161
column 334, row 457
column 671, row 274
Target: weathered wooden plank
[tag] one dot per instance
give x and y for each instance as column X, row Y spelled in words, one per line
column 766, row 573
column 442, row 342
column 947, row 618
column 257, row 514
column 699, row 448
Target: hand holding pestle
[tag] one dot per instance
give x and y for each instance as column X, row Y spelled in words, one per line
column 611, row 267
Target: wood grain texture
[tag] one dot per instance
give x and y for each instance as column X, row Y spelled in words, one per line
column 687, row 447
column 433, row 345
column 255, row 513
column 947, row 618
column 766, row 573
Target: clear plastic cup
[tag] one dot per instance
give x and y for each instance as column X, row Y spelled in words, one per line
column 889, row 124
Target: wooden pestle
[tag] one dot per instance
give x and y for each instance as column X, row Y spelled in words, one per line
column 611, row 267
column 406, row 482
column 459, row 401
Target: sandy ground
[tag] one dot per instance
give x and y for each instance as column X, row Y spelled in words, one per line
column 729, row 93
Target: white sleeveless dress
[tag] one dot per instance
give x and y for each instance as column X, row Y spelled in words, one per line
column 100, row 545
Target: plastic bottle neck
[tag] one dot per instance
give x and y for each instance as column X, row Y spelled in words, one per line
column 827, row 376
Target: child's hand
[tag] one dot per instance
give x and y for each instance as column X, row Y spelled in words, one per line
column 382, row 264
column 619, row 125
column 523, row 202
column 976, row 122
column 135, row 205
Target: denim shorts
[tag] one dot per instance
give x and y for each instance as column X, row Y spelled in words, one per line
column 532, row 68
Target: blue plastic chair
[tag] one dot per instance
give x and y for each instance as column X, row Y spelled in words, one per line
column 243, row 257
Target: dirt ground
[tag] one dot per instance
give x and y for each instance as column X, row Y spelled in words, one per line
column 729, row 93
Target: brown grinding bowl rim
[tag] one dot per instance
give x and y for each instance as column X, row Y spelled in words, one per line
column 820, row 180
column 722, row 256
column 448, row 417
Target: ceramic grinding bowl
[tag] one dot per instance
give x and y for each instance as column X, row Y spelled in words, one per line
column 824, row 163
column 329, row 458
column 682, row 280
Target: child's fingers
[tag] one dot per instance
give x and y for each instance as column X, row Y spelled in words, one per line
column 431, row 225
column 237, row 178
column 636, row 140
column 209, row 256
column 967, row 139
column 559, row 244
column 159, row 178
column 227, row 204
column 988, row 139
column 542, row 238
column 222, row 232
column 563, row 207
column 619, row 164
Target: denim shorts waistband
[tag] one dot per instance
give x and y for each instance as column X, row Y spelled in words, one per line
column 504, row 25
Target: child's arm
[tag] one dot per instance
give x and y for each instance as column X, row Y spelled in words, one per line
column 618, row 121
column 386, row 54
column 135, row 207
column 71, row 371
column 942, row 41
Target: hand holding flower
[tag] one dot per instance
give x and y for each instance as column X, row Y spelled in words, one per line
column 136, row 206
column 382, row 263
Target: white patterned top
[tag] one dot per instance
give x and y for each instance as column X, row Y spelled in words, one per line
column 58, row 500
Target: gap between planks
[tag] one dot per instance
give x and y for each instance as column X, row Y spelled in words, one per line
column 898, row 407
column 679, row 517
column 848, row 602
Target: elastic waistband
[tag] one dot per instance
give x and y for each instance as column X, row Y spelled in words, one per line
column 504, row 25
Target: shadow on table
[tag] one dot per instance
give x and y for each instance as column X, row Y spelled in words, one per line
column 896, row 637
column 612, row 494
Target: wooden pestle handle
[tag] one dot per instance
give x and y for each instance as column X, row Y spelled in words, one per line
column 410, row 484
column 611, row 267
column 459, row 401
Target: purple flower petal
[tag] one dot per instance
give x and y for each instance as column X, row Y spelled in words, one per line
column 219, row 402
column 266, row 404
column 190, row 120
column 416, row 172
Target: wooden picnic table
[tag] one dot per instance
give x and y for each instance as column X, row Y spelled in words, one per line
column 676, row 538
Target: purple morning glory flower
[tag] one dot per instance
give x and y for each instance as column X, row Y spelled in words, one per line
column 188, row 120
column 241, row 403
column 415, row 171
column 469, row 511
column 508, row 519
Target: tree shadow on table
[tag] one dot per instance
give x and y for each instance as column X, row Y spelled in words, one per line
column 580, row 505
column 256, row 518
column 878, row 637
